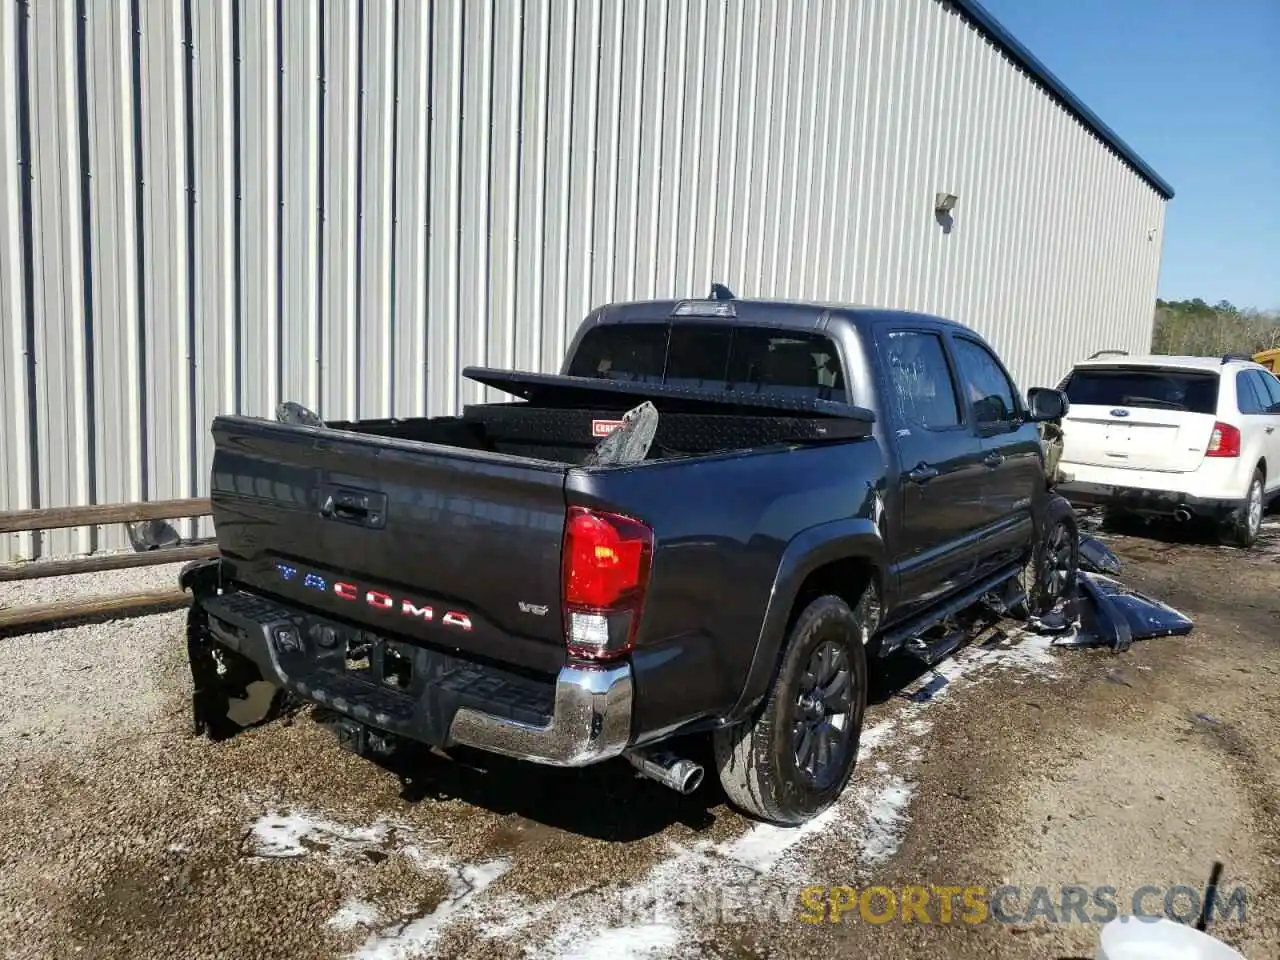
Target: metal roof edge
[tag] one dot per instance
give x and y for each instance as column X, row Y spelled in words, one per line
column 980, row 17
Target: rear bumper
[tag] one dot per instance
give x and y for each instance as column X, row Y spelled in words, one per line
column 1149, row 502
column 581, row 718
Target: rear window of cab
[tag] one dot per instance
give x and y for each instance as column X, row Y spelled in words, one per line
column 713, row 357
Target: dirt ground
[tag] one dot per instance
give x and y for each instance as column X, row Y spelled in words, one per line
column 1014, row 764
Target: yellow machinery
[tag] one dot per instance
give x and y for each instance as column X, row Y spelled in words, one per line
column 1269, row 359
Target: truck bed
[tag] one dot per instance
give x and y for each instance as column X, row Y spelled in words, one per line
column 448, row 530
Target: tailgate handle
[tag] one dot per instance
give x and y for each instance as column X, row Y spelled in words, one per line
column 922, row 473
column 360, row 507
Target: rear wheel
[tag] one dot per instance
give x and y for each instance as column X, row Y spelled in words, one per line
column 1049, row 575
column 1242, row 528
column 793, row 760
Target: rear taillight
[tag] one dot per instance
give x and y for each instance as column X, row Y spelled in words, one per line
column 1224, row 441
column 606, row 572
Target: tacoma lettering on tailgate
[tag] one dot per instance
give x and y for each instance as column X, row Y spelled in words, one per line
column 377, row 599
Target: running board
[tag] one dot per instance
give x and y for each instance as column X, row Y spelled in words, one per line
column 930, row 652
column 898, row 636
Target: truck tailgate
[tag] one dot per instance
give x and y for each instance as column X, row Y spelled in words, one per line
column 455, row 547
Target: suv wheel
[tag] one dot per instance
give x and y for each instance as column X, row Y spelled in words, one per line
column 793, row 760
column 1242, row 529
column 1050, row 571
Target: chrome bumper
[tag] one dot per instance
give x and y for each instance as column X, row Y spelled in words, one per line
column 591, row 721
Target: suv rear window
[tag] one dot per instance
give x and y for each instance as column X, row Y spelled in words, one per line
column 1155, row 388
column 713, row 357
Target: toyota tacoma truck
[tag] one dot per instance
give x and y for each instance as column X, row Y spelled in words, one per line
column 820, row 487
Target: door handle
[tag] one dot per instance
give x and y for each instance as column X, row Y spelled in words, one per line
column 922, row 473
column 993, row 459
column 1269, row 429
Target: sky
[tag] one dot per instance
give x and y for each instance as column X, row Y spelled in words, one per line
column 1194, row 89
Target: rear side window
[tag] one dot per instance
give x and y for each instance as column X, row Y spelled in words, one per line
column 1154, row 388
column 1251, row 393
column 1268, row 384
column 713, row 357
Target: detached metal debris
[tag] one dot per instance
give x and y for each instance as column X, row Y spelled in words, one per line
column 629, row 442
column 1103, row 612
column 1097, row 557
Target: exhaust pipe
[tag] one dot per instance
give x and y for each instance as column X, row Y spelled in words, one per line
column 681, row 775
column 1182, row 514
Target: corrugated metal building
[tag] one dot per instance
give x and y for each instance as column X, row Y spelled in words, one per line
column 212, row 206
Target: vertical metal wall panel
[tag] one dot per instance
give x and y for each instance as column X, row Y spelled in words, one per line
column 375, row 147
column 111, row 226
column 63, row 384
column 474, row 317
column 299, row 258
column 211, row 207
column 411, row 188
column 257, row 87
column 213, row 143
column 17, row 426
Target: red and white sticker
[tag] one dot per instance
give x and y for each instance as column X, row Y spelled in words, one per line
column 602, row 428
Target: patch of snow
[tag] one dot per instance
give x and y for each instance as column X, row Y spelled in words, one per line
column 466, row 883
column 887, row 820
column 299, row 833
column 626, row 943
column 354, row 913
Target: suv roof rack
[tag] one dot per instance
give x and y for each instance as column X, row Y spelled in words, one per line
column 1228, row 357
column 1109, row 353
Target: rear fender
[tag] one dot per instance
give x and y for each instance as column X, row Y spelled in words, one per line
column 848, row 539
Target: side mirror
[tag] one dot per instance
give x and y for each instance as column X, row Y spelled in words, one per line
column 1045, row 403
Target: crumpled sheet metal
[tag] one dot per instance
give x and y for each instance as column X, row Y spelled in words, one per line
column 1097, row 557
column 290, row 412
column 1107, row 613
column 630, row 441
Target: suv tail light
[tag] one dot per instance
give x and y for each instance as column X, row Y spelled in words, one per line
column 1224, row 441
column 607, row 559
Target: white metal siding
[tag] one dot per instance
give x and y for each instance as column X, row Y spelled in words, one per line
column 210, row 206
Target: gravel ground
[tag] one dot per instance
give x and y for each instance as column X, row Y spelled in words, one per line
column 121, row 835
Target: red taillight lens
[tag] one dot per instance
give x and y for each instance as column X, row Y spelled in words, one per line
column 1224, row 441
column 606, row 571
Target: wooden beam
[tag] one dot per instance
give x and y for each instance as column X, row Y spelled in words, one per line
column 93, row 608
column 117, row 561
column 57, row 518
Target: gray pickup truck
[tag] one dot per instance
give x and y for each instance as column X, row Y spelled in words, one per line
column 824, row 487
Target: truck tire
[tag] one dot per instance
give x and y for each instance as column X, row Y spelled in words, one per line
column 772, row 767
column 1241, row 529
column 1051, row 569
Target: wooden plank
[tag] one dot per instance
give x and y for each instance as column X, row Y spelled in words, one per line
column 93, row 608
column 56, row 518
column 118, row 561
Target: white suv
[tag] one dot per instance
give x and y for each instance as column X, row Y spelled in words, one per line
column 1174, row 436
